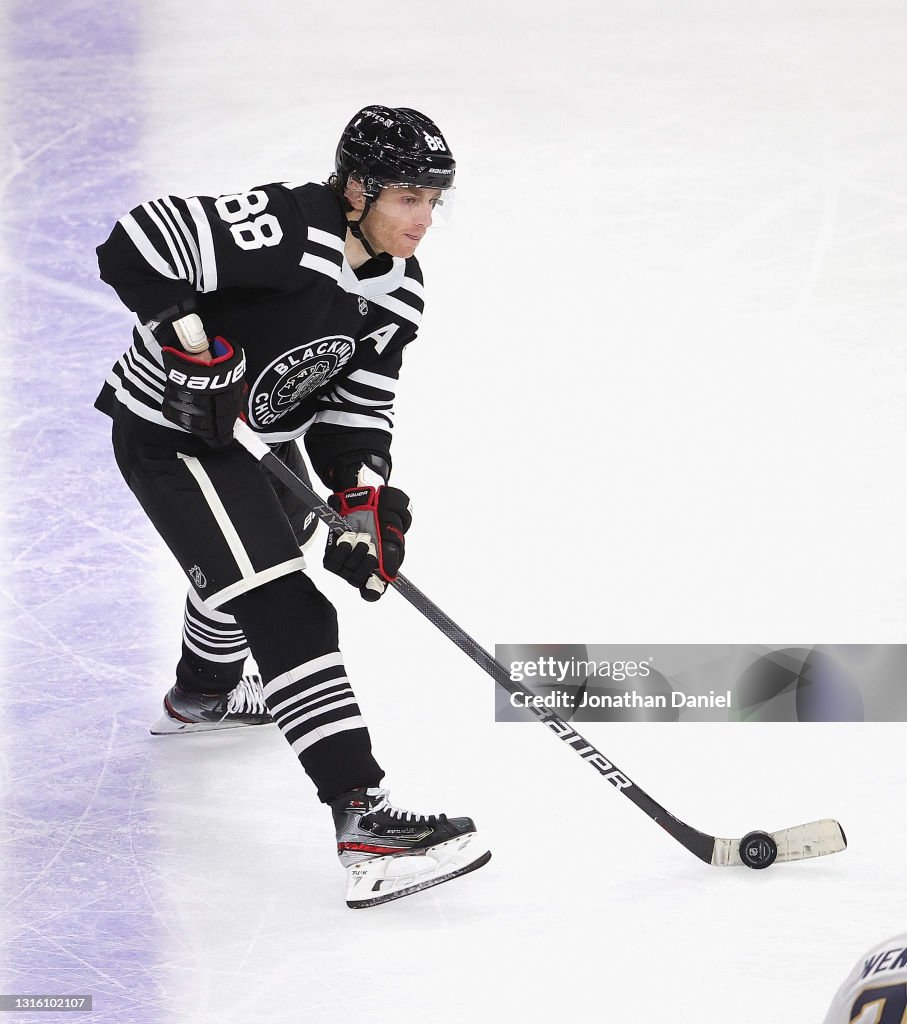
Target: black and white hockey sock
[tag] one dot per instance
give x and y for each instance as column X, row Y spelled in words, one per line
column 316, row 710
column 292, row 631
column 214, row 649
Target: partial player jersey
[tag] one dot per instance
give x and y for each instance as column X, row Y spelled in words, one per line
column 875, row 991
column 323, row 343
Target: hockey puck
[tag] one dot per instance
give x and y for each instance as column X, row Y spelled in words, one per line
column 758, row 850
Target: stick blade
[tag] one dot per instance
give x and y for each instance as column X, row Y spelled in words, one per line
column 800, row 842
column 816, row 839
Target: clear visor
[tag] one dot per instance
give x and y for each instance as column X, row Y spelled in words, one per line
column 417, row 205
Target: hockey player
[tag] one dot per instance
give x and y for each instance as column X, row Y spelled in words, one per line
column 289, row 306
column 875, row 991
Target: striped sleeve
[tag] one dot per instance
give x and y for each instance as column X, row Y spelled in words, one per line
column 364, row 400
column 163, row 252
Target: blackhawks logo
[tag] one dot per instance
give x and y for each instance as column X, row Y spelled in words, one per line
column 295, row 375
column 304, row 382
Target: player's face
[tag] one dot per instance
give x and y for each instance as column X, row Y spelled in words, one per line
column 398, row 219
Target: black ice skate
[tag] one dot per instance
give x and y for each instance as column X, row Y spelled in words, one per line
column 185, row 711
column 389, row 853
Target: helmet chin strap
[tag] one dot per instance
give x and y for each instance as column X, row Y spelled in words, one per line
column 355, row 227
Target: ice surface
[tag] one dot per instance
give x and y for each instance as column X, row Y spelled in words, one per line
column 659, row 388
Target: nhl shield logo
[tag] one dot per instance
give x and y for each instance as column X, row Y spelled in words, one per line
column 295, row 375
column 198, row 577
column 363, row 306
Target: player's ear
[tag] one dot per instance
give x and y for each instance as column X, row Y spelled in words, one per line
column 354, row 194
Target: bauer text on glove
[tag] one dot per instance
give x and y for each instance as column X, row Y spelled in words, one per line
column 205, row 398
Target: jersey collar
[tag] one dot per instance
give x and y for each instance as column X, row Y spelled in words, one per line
column 369, row 287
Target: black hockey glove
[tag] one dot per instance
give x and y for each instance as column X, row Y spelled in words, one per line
column 369, row 555
column 205, row 398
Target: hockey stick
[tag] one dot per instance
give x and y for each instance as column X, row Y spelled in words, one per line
column 757, row 849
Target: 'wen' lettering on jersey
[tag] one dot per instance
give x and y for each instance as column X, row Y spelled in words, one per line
column 875, row 991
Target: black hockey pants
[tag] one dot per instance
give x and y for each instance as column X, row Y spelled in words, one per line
column 236, row 533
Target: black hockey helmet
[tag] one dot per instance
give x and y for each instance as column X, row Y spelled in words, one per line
column 383, row 145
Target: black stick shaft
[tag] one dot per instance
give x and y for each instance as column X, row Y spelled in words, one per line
column 695, row 841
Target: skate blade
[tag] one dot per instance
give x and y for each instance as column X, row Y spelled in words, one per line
column 383, row 879
column 167, row 726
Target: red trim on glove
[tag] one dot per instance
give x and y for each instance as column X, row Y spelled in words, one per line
column 189, row 358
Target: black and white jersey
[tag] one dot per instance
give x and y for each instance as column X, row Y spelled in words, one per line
column 875, row 991
column 323, row 343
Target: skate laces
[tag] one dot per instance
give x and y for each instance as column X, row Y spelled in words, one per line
column 383, row 804
column 247, row 697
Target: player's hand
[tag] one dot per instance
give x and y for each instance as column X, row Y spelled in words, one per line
column 370, row 553
column 205, row 398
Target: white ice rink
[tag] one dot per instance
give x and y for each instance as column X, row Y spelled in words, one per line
column 658, row 397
